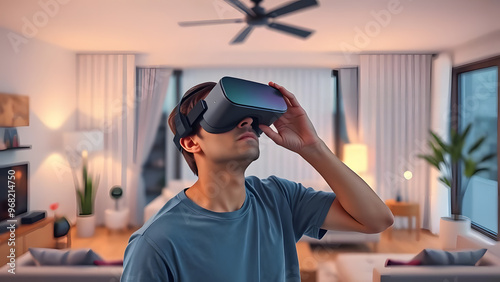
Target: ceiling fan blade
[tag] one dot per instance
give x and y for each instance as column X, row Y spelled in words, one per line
column 291, row 7
column 242, row 35
column 241, row 7
column 208, row 22
column 288, row 29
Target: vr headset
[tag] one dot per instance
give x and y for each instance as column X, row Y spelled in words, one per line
column 229, row 102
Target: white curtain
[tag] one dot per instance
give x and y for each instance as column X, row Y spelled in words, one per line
column 314, row 90
column 152, row 84
column 394, row 116
column 106, row 102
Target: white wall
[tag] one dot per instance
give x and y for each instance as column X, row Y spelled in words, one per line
column 46, row 74
column 202, row 59
column 481, row 48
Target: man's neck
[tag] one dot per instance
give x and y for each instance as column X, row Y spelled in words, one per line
column 220, row 188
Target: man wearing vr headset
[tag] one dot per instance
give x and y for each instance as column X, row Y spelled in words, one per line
column 228, row 227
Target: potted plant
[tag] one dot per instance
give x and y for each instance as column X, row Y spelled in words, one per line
column 86, row 191
column 448, row 158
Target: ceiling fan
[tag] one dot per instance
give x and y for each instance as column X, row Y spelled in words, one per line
column 257, row 16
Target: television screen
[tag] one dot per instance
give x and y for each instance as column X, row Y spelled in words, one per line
column 13, row 189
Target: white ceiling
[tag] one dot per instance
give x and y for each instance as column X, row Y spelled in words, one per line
column 149, row 27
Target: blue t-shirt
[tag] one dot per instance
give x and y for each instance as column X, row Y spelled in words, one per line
column 185, row 242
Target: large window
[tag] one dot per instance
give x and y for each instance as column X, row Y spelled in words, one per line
column 475, row 101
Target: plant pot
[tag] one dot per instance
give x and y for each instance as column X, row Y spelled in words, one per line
column 85, row 225
column 450, row 228
column 116, row 219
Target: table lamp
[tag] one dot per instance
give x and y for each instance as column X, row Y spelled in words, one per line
column 356, row 157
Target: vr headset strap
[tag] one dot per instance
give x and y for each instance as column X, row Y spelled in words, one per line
column 196, row 112
column 184, row 124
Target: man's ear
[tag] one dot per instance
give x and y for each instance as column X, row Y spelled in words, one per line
column 190, row 145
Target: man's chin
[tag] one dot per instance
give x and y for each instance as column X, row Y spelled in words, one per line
column 250, row 156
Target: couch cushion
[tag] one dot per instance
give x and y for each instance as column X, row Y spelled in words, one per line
column 440, row 257
column 44, row 256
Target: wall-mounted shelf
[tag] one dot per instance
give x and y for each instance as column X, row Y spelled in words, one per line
column 17, row 148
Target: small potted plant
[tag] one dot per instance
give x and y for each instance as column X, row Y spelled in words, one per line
column 86, row 191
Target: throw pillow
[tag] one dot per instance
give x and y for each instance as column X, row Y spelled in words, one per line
column 108, row 262
column 44, row 256
column 391, row 262
column 440, row 257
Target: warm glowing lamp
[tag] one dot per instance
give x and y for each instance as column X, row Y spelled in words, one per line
column 408, row 175
column 356, row 157
column 79, row 144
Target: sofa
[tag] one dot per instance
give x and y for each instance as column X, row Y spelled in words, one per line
column 346, row 237
column 26, row 270
column 370, row 267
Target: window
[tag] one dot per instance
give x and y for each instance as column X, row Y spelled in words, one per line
column 475, row 96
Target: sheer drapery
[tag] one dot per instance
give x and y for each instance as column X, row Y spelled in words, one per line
column 394, row 122
column 314, row 90
column 106, row 102
column 152, row 84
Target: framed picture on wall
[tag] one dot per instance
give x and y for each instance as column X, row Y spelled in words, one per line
column 14, row 110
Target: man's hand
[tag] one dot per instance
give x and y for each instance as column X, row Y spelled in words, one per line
column 295, row 130
column 356, row 207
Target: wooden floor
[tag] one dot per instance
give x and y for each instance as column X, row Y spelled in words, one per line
column 111, row 245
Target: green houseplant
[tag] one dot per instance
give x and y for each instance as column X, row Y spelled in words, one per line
column 86, row 194
column 449, row 157
column 86, row 191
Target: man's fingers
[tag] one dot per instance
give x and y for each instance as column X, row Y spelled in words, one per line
column 287, row 94
column 271, row 134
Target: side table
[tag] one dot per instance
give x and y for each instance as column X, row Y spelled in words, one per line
column 407, row 209
column 35, row 235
